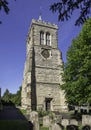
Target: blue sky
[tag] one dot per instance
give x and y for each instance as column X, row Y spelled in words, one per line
column 13, row 34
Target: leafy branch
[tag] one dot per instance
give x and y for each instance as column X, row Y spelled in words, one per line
column 65, row 9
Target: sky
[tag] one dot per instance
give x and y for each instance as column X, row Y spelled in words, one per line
column 13, row 34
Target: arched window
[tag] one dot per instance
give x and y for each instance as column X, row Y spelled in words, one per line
column 42, row 38
column 48, row 39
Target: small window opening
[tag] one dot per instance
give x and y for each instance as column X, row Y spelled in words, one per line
column 48, row 39
column 42, row 38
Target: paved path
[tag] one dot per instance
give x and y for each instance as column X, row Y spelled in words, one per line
column 11, row 113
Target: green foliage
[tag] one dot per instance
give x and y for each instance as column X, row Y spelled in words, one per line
column 65, row 9
column 17, row 98
column 77, row 70
column 46, row 113
column 42, row 113
column 12, row 99
column 44, row 128
column 23, row 111
column 4, row 5
column 6, row 97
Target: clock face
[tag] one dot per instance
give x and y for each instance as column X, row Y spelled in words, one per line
column 45, row 53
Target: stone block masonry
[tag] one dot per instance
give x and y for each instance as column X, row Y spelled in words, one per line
column 42, row 72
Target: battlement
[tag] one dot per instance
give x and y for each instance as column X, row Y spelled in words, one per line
column 43, row 23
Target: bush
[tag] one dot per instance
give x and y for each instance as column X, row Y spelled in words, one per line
column 45, row 113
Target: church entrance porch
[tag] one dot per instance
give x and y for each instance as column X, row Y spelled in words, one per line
column 48, row 104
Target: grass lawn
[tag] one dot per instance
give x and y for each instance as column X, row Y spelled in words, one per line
column 13, row 125
column 44, row 128
column 23, row 111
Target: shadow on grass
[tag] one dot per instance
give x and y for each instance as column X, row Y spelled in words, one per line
column 15, row 125
column 11, row 118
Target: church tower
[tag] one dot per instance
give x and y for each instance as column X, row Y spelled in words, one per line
column 42, row 71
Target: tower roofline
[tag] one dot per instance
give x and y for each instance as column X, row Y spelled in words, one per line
column 43, row 23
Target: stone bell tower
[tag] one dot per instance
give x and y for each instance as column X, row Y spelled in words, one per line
column 42, row 72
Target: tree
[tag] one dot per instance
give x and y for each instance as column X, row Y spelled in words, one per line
column 77, row 70
column 66, row 8
column 17, row 98
column 12, row 99
column 4, row 5
column 6, row 96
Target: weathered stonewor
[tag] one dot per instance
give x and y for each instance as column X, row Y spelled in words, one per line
column 86, row 120
column 73, row 122
column 65, row 122
column 35, row 120
column 42, row 71
column 56, row 126
column 58, row 118
column 46, row 121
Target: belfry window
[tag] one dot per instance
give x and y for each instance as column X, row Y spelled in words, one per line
column 42, row 38
column 48, row 39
